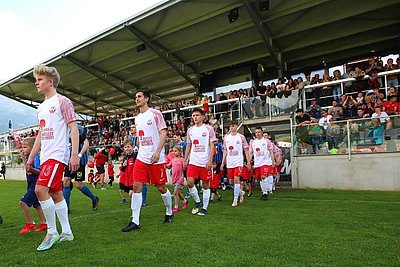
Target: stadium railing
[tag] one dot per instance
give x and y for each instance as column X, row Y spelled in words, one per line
column 367, row 135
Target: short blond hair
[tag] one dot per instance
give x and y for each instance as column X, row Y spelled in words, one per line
column 29, row 140
column 49, row 72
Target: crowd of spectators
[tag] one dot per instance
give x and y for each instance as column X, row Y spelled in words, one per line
column 364, row 98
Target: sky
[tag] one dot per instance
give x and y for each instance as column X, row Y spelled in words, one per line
column 33, row 31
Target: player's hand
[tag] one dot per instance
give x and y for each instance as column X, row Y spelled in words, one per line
column 125, row 163
column 155, row 158
column 222, row 167
column 209, row 165
column 74, row 163
column 185, row 165
column 130, row 193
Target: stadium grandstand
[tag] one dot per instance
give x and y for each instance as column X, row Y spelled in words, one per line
column 320, row 78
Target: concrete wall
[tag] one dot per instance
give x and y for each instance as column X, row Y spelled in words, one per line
column 379, row 171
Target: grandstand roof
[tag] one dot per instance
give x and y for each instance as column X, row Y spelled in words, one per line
column 169, row 47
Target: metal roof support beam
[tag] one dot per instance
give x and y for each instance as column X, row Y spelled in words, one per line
column 32, row 79
column 164, row 56
column 97, row 74
column 265, row 34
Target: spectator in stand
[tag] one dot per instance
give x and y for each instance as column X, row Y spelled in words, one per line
column 255, row 102
column 383, row 117
column 391, row 79
column 326, row 91
column 348, row 74
column 337, row 90
column 336, row 111
column 302, row 121
column 223, row 107
column 289, row 86
column 314, row 110
column 262, row 93
column 391, row 107
column 373, row 69
column 333, row 134
column 360, row 114
column 359, row 84
column 349, row 107
column 392, row 91
column 316, row 91
column 325, row 121
column 360, row 98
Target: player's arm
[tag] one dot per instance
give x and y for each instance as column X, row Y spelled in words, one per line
column 248, row 158
column 271, row 152
column 210, row 156
column 163, row 137
column 74, row 161
column 84, row 147
column 187, row 153
column 223, row 159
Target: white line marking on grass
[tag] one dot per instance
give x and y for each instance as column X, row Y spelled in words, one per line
column 337, row 200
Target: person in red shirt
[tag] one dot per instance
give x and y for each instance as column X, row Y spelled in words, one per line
column 110, row 171
column 126, row 171
column 214, row 183
column 391, row 107
column 100, row 160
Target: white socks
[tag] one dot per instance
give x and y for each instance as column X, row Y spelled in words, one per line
column 167, row 202
column 136, row 205
column 50, row 215
column 195, row 194
column 206, row 198
column 264, row 186
column 270, row 183
column 236, row 192
column 61, row 209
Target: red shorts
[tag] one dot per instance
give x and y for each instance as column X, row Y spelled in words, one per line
column 263, row 171
column 214, row 184
column 246, row 174
column 51, row 175
column 149, row 173
column 197, row 172
column 234, row 172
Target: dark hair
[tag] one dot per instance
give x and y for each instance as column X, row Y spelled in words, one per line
column 199, row 110
column 233, row 122
column 145, row 93
column 259, row 128
column 299, row 110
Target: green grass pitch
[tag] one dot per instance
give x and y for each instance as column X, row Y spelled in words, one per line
column 293, row 228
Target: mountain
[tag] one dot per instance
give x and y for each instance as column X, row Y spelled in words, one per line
column 20, row 114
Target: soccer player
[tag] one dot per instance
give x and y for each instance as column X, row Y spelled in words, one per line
column 110, row 171
column 199, row 155
column 234, row 146
column 135, row 142
column 56, row 114
column 150, row 162
column 79, row 175
column 264, row 160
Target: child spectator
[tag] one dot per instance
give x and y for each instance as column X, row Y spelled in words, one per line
column 91, row 178
column 126, row 178
column 30, row 199
column 176, row 164
column 247, row 179
column 215, row 181
column 110, row 170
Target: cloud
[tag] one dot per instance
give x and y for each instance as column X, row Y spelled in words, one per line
column 36, row 34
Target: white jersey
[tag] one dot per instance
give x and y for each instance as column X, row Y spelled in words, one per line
column 200, row 137
column 234, row 146
column 54, row 115
column 148, row 127
column 260, row 149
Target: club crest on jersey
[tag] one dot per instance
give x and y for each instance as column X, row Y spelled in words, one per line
column 204, row 134
column 238, row 142
column 52, row 109
column 149, row 122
